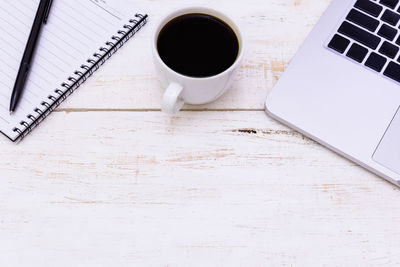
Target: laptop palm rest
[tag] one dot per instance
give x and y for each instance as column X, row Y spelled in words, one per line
column 388, row 151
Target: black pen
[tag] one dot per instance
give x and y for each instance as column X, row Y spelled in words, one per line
column 42, row 15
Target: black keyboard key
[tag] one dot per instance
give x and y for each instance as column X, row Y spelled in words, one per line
column 390, row 17
column 369, row 7
column 389, row 50
column 375, row 62
column 393, row 71
column 390, row 3
column 357, row 52
column 360, row 35
column 339, row 43
column 387, row 32
column 363, row 20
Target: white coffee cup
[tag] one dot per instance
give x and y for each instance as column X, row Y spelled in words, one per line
column 183, row 89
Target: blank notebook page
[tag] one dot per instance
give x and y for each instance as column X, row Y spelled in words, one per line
column 75, row 30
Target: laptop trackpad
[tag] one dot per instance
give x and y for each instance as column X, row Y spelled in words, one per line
column 388, row 152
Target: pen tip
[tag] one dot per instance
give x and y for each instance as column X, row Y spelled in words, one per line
column 11, row 112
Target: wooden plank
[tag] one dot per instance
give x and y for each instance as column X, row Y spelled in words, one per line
column 274, row 30
column 202, row 189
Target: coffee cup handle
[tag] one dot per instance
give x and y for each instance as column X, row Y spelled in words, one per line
column 172, row 101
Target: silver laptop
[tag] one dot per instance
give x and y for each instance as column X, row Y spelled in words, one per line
column 342, row 89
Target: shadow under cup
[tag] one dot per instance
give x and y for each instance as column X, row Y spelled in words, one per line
column 198, row 45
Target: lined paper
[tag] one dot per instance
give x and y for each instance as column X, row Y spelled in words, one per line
column 75, row 30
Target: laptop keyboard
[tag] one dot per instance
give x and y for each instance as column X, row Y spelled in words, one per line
column 370, row 36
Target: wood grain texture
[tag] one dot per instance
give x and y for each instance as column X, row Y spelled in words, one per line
column 203, row 189
column 274, row 30
column 108, row 180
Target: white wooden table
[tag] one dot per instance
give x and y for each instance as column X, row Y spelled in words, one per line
column 108, row 180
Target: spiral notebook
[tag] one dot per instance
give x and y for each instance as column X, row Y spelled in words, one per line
column 79, row 37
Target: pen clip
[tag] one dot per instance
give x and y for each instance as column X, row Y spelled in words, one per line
column 46, row 14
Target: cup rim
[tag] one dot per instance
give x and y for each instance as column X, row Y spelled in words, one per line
column 203, row 10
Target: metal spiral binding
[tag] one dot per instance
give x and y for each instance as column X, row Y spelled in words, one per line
column 80, row 76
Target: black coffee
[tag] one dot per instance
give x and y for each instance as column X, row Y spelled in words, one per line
column 198, row 45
